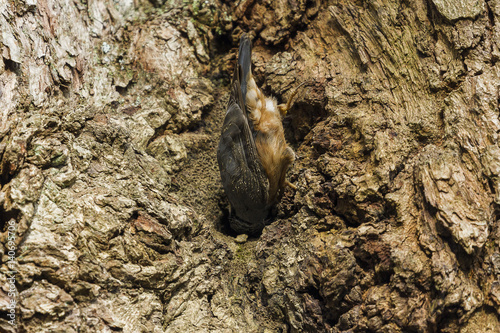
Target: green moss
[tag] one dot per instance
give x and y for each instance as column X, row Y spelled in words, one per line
column 59, row 160
column 243, row 254
column 196, row 7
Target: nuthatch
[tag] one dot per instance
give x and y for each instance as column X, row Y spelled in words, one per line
column 253, row 155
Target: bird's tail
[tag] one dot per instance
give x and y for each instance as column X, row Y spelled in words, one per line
column 245, row 61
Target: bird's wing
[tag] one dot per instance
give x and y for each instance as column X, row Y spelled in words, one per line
column 242, row 174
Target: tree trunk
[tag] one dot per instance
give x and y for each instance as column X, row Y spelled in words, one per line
column 111, row 209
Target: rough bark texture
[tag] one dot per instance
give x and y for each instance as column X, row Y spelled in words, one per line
column 110, row 113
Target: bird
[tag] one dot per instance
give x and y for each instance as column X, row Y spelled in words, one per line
column 253, row 155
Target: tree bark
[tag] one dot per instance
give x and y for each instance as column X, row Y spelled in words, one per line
column 111, row 209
